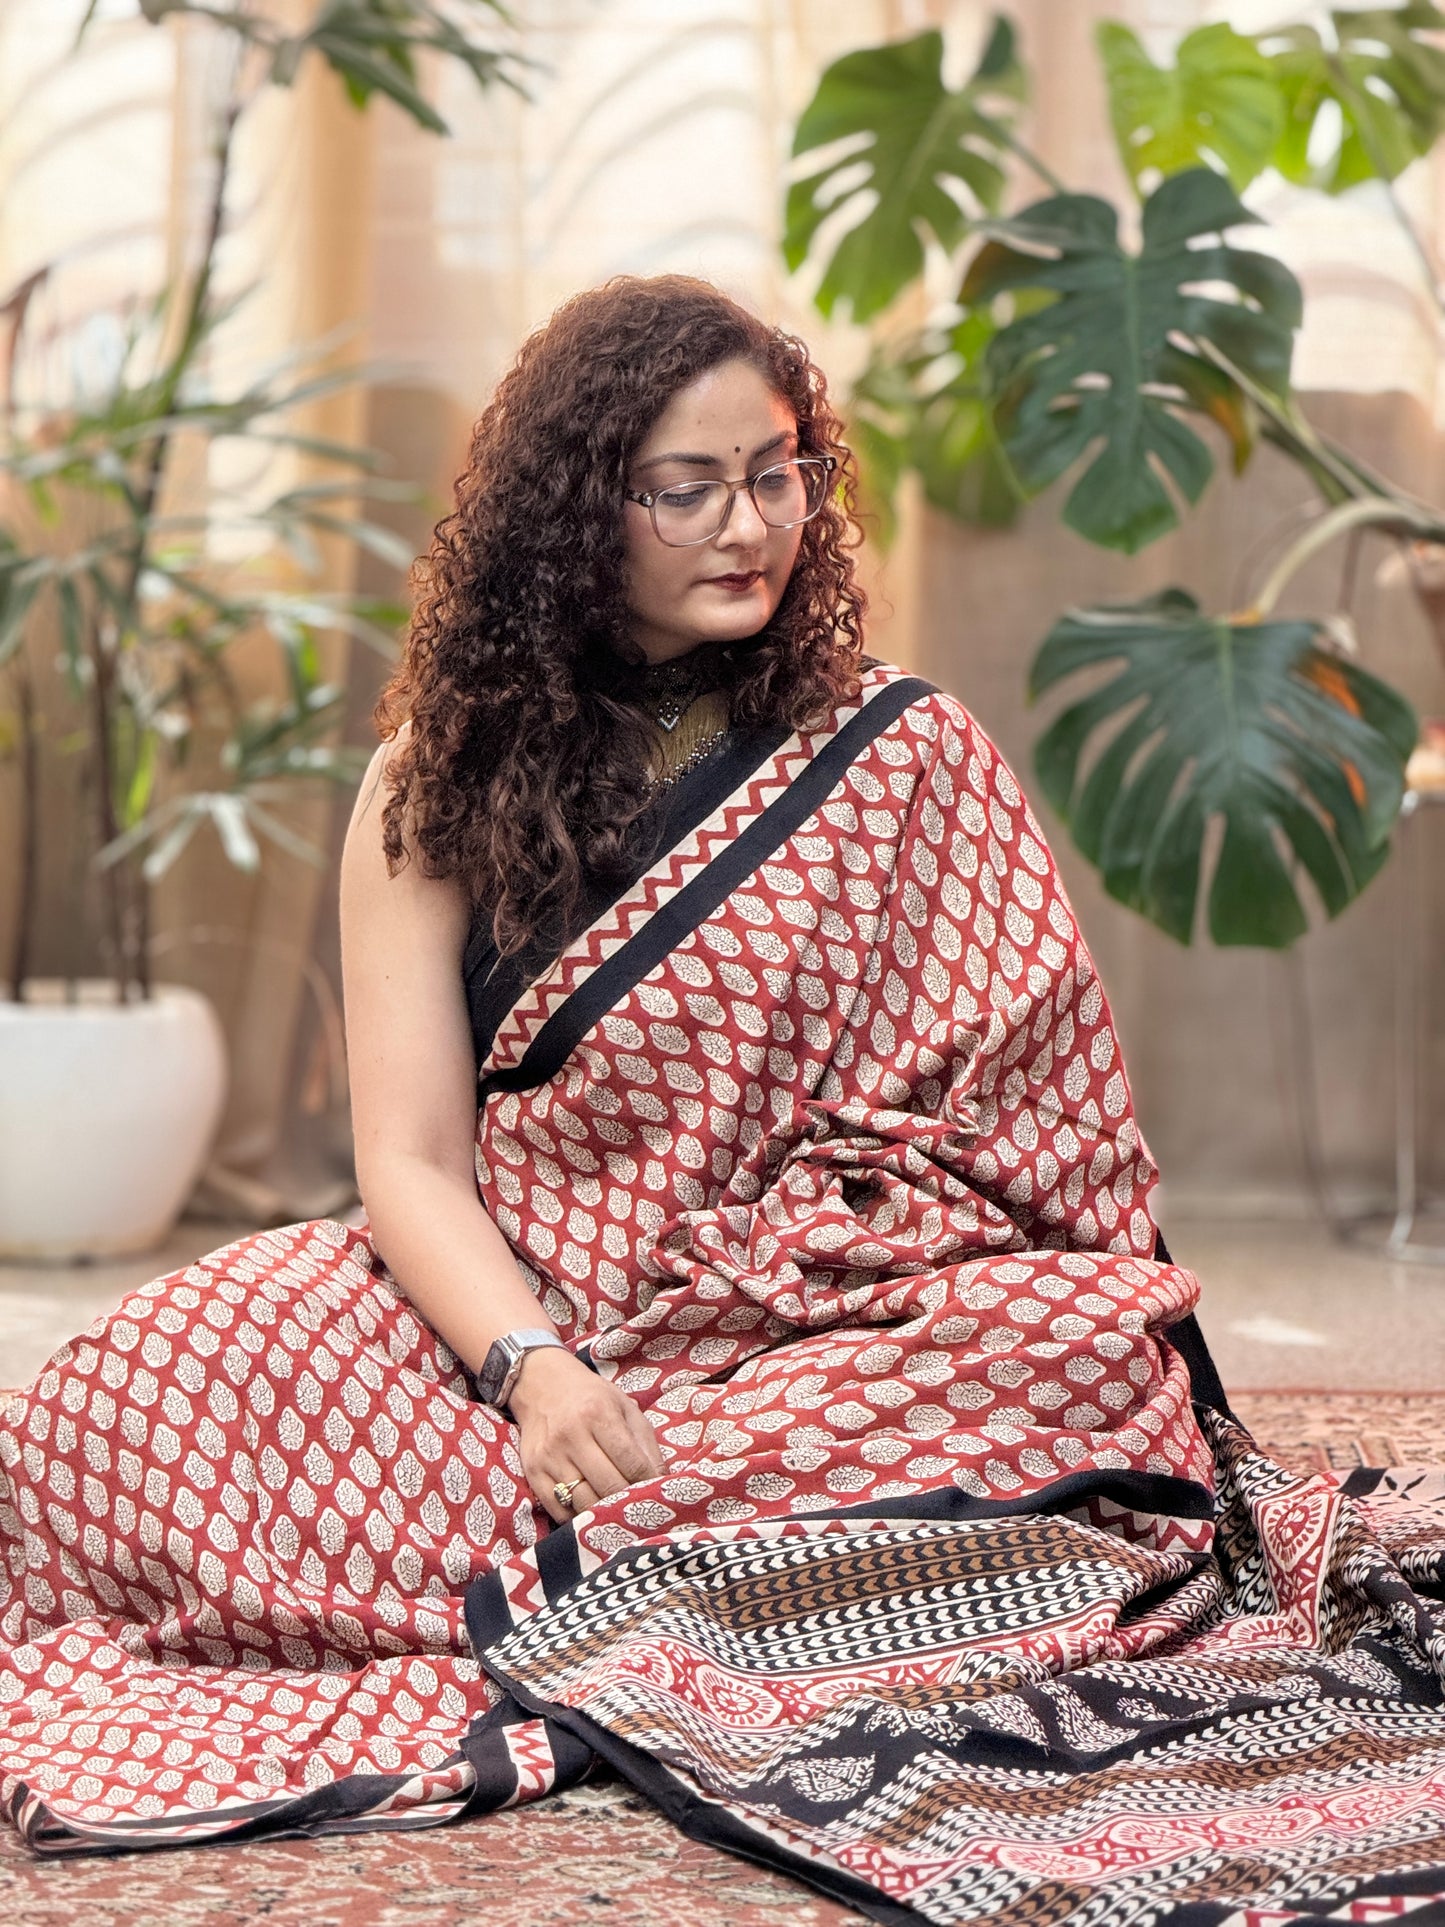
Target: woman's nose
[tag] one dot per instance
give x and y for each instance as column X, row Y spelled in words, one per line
column 744, row 528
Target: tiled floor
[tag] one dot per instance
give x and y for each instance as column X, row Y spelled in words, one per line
column 1284, row 1306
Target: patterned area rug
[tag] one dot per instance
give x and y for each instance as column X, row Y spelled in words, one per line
column 599, row 1852
column 1337, row 1431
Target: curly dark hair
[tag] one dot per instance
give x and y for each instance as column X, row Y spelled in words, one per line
column 521, row 772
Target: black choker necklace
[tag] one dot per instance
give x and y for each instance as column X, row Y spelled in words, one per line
column 667, row 690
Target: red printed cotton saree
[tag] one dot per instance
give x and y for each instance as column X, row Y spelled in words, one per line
column 961, row 1595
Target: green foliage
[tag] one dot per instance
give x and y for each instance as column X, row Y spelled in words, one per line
column 145, row 606
column 1099, row 370
column 908, row 156
column 1387, row 83
column 147, row 614
column 923, row 406
column 1066, row 354
column 1246, row 103
column 1218, row 104
column 1296, row 750
column 374, row 46
column 19, row 586
column 900, row 139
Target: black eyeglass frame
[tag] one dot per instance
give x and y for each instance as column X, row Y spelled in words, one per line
column 647, row 498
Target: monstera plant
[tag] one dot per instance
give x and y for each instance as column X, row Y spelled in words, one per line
column 1120, row 370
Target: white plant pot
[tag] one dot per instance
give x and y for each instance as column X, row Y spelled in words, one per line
column 107, row 1112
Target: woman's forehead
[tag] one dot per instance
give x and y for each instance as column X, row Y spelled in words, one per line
column 730, row 409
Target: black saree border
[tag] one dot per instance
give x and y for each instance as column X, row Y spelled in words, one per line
column 355, row 1804
column 691, row 800
column 1185, row 1335
column 1156, row 1493
column 490, row 1620
column 485, row 1749
column 485, row 1606
column 554, row 1043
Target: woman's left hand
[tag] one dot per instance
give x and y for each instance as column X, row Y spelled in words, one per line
column 575, row 1430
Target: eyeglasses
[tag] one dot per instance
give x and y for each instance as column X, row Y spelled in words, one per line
column 784, row 495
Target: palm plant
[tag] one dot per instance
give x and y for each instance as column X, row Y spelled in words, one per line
column 148, row 620
column 1068, row 354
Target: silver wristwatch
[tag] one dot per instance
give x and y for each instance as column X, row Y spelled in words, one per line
column 504, row 1361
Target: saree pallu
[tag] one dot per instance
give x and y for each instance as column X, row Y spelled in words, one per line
column 960, row 1595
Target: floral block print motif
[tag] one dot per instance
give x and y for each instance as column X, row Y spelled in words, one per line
column 237, row 1517
column 844, row 1183
column 818, row 1141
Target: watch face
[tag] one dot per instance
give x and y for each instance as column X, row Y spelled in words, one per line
column 502, row 1361
column 493, row 1374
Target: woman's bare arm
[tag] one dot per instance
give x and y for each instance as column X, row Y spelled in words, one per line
column 413, row 1098
column 412, row 1091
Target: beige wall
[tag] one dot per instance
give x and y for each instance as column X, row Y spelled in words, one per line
column 1206, row 1031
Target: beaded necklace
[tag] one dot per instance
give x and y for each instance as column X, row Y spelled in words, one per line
column 685, row 700
column 665, row 691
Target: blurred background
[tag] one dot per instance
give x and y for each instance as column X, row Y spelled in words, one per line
column 601, row 136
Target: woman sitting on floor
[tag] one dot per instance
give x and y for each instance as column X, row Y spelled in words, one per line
column 760, row 1366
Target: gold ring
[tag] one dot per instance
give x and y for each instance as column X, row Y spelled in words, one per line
column 562, row 1491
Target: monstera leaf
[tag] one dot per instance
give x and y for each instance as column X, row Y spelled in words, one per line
column 1294, row 749
column 1100, row 370
column 921, row 406
column 901, row 138
column 1387, row 82
column 1219, row 103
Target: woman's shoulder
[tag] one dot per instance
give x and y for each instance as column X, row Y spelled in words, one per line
column 382, row 774
column 929, row 728
column 380, row 769
column 922, row 708
column 380, row 863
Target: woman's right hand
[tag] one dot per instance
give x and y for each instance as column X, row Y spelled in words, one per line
column 576, row 1429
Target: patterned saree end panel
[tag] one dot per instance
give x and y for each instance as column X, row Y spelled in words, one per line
column 1028, row 1719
